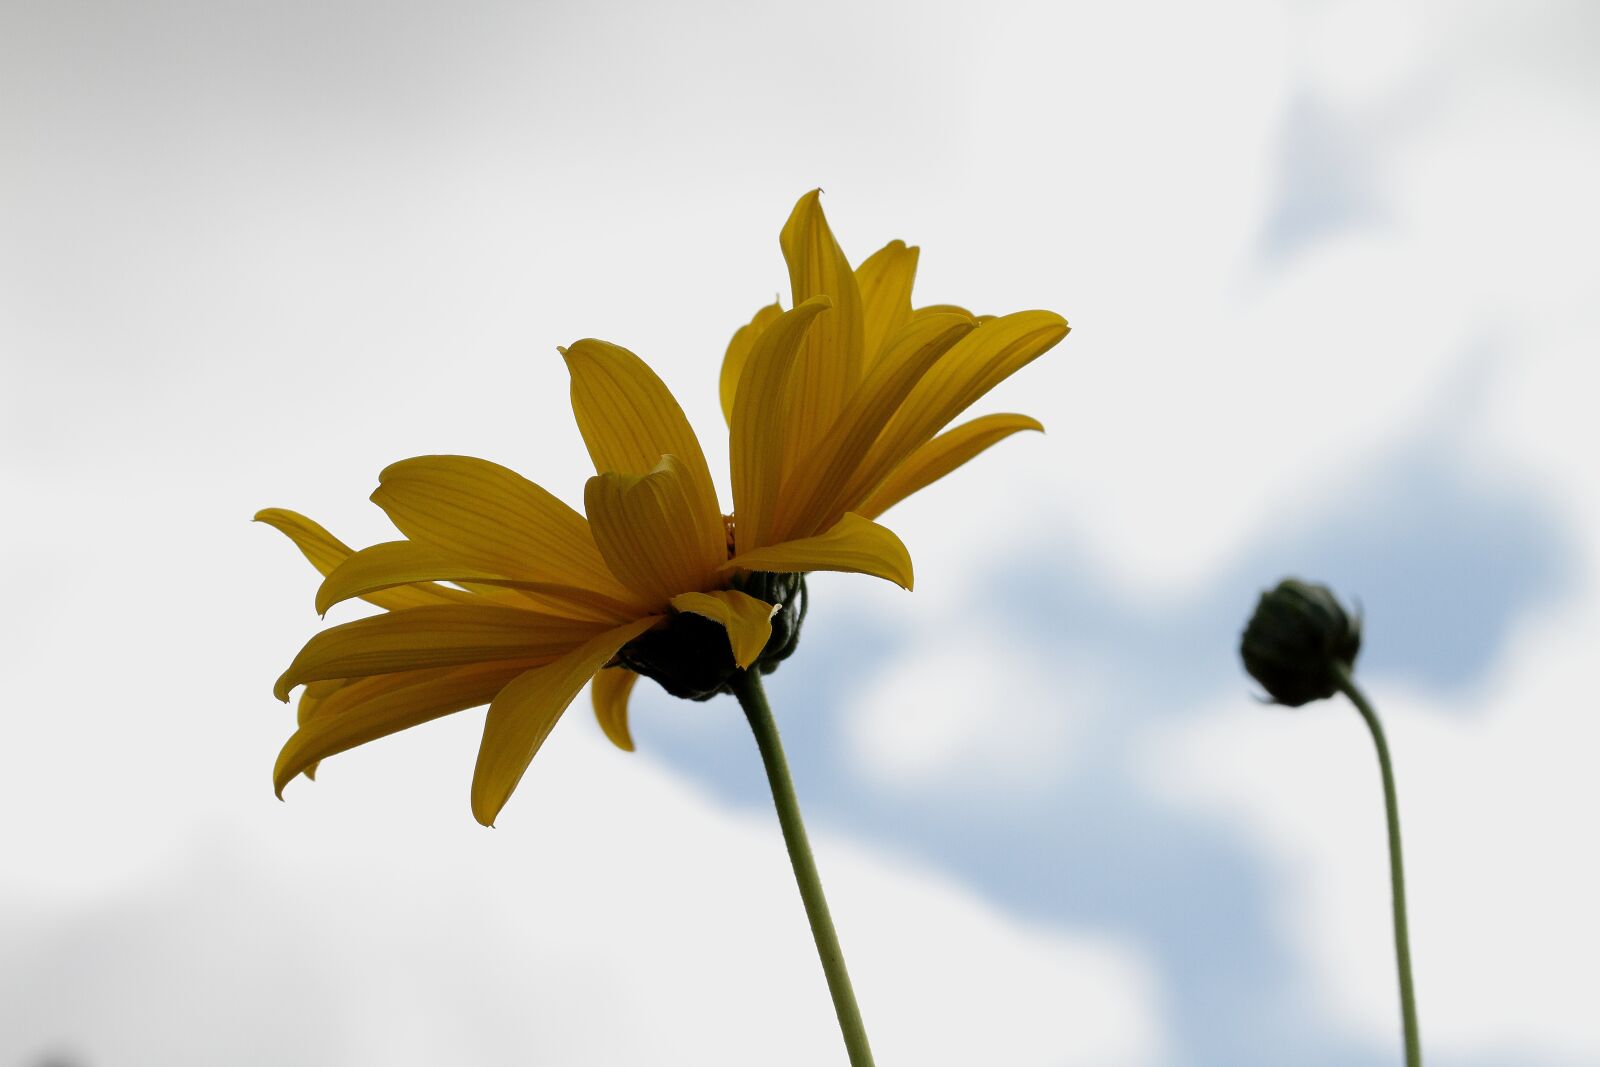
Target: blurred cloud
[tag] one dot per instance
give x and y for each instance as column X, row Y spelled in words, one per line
column 1330, row 277
column 606, row 925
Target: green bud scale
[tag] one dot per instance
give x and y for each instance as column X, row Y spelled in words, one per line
column 690, row 656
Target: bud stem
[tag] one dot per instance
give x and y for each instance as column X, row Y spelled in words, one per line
column 747, row 687
column 1397, row 877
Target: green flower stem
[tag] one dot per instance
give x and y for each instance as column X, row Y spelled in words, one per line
column 753, row 698
column 1397, row 875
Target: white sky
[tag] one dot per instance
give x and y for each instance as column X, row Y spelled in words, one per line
column 251, row 253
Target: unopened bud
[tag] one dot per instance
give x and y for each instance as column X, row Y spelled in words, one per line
column 1299, row 642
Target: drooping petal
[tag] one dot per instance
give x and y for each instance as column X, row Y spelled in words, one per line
column 978, row 362
column 942, row 455
column 747, row 619
column 756, row 445
column 629, row 420
column 446, row 635
column 647, row 531
column 884, row 279
column 325, row 552
column 830, row 360
column 487, row 516
column 394, row 563
column 813, row 495
column 738, row 353
column 523, row 713
column 854, row 544
column 311, row 699
column 370, row 708
column 609, row 691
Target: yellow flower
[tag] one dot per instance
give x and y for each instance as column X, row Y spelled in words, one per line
column 834, row 408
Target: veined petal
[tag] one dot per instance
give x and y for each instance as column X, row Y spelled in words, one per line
column 978, row 362
column 446, row 635
column 747, row 619
column 370, row 708
column 756, row 445
column 853, row 544
column 394, row 563
column 830, row 360
column 523, row 713
column 325, row 552
column 609, row 691
column 646, row 528
column 884, row 279
column 492, row 518
column 942, row 455
column 629, row 420
column 738, row 353
column 813, row 495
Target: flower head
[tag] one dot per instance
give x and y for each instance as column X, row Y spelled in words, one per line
column 499, row 593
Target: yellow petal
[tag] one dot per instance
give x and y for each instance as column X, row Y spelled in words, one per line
column 645, row 526
column 979, row 361
column 830, row 360
column 756, row 445
column 884, row 279
column 523, row 713
column 738, row 353
column 394, row 563
column 629, row 420
column 942, row 455
column 747, row 619
column 813, row 496
column 371, row 708
column 325, row 552
column 486, row 516
column 609, row 691
column 854, row 544
column 446, row 635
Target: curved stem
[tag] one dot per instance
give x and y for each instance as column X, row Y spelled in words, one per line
column 1397, row 876
column 753, row 698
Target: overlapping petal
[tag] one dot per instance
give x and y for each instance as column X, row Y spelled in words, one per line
column 523, row 713
column 492, row 518
column 734, row 359
column 978, row 362
column 393, row 563
column 884, row 279
column 447, row 635
column 629, row 420
column 942, row 455
column 755, row 443
column 853, row 544
column 369, row 708
column 813, row 496
column 647, row 529
column 325, row 552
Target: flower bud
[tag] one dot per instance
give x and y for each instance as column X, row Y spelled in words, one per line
column 1297, row 641
column 691, row 657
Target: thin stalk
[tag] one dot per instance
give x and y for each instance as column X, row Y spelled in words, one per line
column 753, row 699
column 1397, row 876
